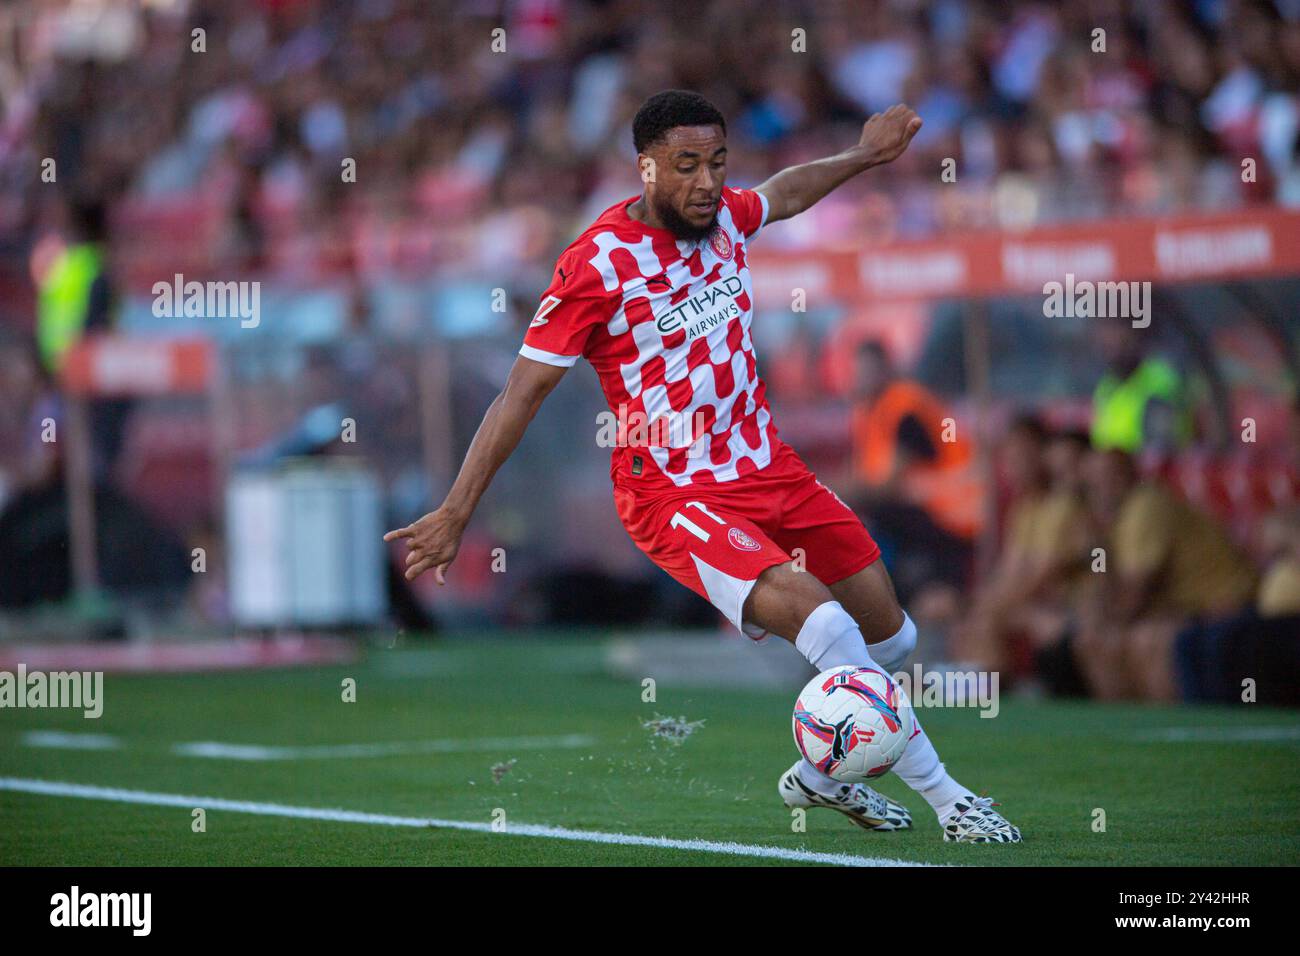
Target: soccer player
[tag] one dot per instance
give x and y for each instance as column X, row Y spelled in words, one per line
column 656, row 295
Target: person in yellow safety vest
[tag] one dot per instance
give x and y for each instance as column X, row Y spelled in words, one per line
column 1140, row 401
column 74, row 295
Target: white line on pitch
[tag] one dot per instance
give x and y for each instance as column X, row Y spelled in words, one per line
column 1219, row 734
column 220, row 751
column 54, row 788
column 62, row 740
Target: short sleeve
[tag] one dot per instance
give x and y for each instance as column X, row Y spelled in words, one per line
column 1020, row 526
column 748, row 210
column 572, row 306
column 1064, row 529
column 1144, row 533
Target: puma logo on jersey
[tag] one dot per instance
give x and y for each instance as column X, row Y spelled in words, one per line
column 539, row 318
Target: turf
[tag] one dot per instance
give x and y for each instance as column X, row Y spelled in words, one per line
column 1052, row 766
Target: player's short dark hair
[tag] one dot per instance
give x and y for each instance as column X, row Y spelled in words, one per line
column 670, row 109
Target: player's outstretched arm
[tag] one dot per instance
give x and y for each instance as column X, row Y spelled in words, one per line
column 884, row 137
column 434, row 539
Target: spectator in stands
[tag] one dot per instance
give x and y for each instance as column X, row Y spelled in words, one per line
column 1044, row 128
column 1140, row 403
column 1279, row 591
column 1069, row 582
column 914, row 474
column 1167, row 563
column 1026, row 603
column 1253, row 656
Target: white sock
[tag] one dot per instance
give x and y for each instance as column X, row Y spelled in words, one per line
column 829, row 638
column 920, row 769
column 814, row 779
column 893, row 651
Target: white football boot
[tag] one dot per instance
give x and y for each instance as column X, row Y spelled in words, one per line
column 864, row 806
column 975, row 821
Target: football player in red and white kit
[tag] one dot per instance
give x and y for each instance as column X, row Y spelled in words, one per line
column 656, row 295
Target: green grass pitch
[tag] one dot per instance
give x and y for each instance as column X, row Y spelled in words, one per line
column 1051, row 765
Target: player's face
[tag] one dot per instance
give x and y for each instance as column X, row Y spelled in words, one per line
column 688, row 172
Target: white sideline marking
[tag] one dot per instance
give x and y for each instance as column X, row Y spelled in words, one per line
column 55, row 788
column 62, row 740
column 1219, row 734
column 219, row 751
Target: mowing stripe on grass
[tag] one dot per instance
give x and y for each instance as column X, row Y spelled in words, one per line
column 219, row 751
column 1219, row 734
column 62, row 740
column 214, row 750
column 54, row 788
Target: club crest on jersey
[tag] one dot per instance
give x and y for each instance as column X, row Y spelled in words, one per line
column 720, row 243
column 742, row 541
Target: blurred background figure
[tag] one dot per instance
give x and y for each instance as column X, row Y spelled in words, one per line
column 1219, row 660
column 76, row 298
column 1167, row 563
column 74, row 292
column 1024, row 609
column 1279, row 591
column 915, row 481
column 400, row 191
column 1140, row 403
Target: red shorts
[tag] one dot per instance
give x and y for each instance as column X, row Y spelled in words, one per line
column 717, row 539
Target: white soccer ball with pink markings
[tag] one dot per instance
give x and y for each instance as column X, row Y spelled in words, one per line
column 853, row 723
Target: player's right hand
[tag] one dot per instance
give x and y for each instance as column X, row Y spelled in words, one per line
column 432, row 541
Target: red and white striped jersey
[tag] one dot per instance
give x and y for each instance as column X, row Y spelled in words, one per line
column 665, row 323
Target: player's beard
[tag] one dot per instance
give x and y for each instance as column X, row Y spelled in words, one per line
column 675, row 223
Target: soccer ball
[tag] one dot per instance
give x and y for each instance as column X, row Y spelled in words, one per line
column 853, row 723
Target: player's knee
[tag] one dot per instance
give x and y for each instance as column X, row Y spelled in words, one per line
column 783, row 598
column 799, row 589
column 893, row 651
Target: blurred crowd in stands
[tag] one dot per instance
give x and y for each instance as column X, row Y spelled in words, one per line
column 319, row 142
column 1107, row 580
column 520, row 146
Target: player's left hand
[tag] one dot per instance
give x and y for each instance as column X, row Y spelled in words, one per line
column 886, row 135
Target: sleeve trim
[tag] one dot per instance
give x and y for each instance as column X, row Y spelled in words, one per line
column 549, row 358
column 763, row 219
